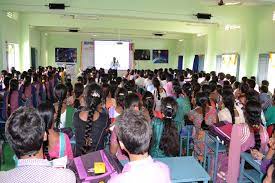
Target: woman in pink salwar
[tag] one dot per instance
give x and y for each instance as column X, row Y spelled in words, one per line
column 244, row 137
column 202, row 116
column 57, row 144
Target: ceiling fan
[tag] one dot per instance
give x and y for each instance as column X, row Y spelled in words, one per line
column 222, row 3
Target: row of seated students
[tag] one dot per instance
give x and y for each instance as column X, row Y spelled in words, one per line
column 167, row 99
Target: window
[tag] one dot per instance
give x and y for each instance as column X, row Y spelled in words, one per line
column 271, row 70
column 273, row 18
column 266, row 69
column 228, row 63
column 13, row 55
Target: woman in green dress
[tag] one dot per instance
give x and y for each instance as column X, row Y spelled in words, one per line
column 165, row 133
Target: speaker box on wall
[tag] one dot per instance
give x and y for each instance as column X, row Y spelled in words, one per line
column 56, row 6
column 203, row 16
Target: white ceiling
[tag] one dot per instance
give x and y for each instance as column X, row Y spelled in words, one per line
column 156, row 15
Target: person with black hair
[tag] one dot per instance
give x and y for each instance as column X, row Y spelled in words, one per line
column 207, row 79
column 78, row 95
column 265, row 98
column 202, row 116
column 169, row 85
column 247, row 136
column 140, row 80
column 69, row 87
column 184, row 106
column 132, row 101
column 159, row 93
column 91, row 122
column 11, row 99
column 27, row 93
column 57, row 144
column 43, row 90
column 165, row 140
column 228, row 112
column 120, row 96
column 60, row 92
column 6, row 83
column 134, row 134
column 148, row 103
column 25, row 133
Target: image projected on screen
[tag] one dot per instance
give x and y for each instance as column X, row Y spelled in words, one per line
column 112, row 55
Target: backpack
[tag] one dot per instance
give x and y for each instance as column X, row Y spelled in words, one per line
column 82, row 164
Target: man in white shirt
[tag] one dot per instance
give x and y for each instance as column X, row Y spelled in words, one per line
column 25, row 132
column 140, row 79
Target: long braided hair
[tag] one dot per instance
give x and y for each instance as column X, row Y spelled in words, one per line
column 60, row 92
column 156, row 84
column 169, row 142
column 93, row 96
column 46, row 111
column 253, row 119
column 13, row 87
column 148, row 102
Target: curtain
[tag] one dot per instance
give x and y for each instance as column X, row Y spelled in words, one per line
column 196, row 63
column 87, row 55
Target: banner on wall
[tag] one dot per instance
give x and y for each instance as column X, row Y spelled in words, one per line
column 87, row 55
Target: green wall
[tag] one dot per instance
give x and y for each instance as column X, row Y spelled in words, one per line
column 9, row 32
column 255, row 36
column 175, row 48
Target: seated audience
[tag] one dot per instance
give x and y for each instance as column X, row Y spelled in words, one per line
column 91, row 123
column 228, row 111
column 246, row 136
column 11, row 99
column 202, row 116
column 78, row 95
column 159, row 93
column 58, row 144
column 64, row 114
column 165, row 140
column 134, row 134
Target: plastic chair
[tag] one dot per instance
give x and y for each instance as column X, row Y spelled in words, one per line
column 213, row 144
column 186, row 134
column 250, row 175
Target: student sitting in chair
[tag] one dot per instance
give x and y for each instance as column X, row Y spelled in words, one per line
column 25, row 132
column 134, row 134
